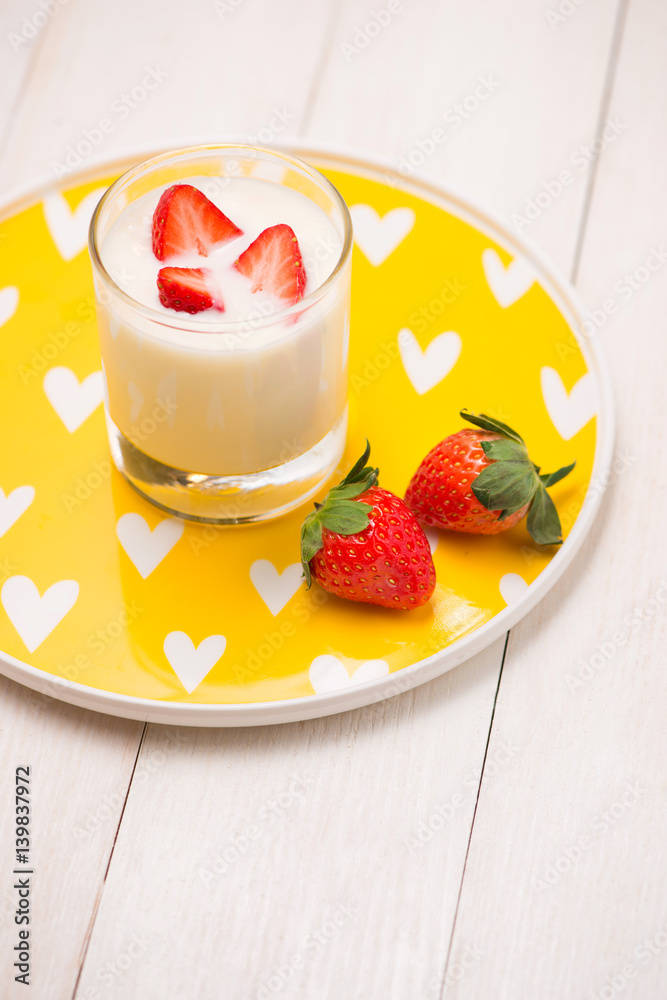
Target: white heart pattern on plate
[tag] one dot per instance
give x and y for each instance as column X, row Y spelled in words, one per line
column 508, row 284
column 427, row 368
column 13, row 505
column 275, row 588
column 9, row 303
column 512, row 587
column 146, row 548
column 69, row 229
column 190, row 664
column 72, row 400
column 378, row 236
column 328, row 674
column 569, row 412
column 35, row 617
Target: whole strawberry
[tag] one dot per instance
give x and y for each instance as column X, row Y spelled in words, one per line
column 483, row 482
column 362, row 543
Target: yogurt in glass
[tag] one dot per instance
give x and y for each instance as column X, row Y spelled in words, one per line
column 234, row 415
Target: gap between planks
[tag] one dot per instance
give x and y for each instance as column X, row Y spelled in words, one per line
column 98, row 898
column 614, row 52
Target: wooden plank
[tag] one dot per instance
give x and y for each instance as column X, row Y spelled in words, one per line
column 325, row 844
column 566, row 879
column 80, row 767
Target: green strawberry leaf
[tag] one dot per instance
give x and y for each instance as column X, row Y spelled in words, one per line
column 345, row 518
column 543, row 521
column 358, row 466
column 511, row 481
column 348, row 490
column 490, row 424
column 504, row 450
column 311, row 542
column 339, row 512
column 555, row 477
column 506, row 486
column 360, row 472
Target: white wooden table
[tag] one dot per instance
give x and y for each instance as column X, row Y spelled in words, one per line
column 498, row 834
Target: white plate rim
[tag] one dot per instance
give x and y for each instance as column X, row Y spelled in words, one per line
column 359, row 695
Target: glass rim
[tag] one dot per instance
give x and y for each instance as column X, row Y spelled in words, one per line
column 178, row 321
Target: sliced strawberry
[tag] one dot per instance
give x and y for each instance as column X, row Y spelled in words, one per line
column 185, row 220
column 274, row 263
column 187, row 289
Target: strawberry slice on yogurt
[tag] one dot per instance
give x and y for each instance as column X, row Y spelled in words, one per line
column 273, row 263
column 186, row 221
column 188, row 289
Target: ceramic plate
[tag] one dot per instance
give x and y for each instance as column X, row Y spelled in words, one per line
column 109, row 604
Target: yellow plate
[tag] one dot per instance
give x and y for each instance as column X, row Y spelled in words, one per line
column 108, row 604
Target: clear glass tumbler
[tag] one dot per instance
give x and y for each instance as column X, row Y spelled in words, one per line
column 225, row 421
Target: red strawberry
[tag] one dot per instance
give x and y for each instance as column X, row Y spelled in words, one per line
column 362, row 543
column 273, row 262
column 187, row 289
column 185, row 221
column 483, row 482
